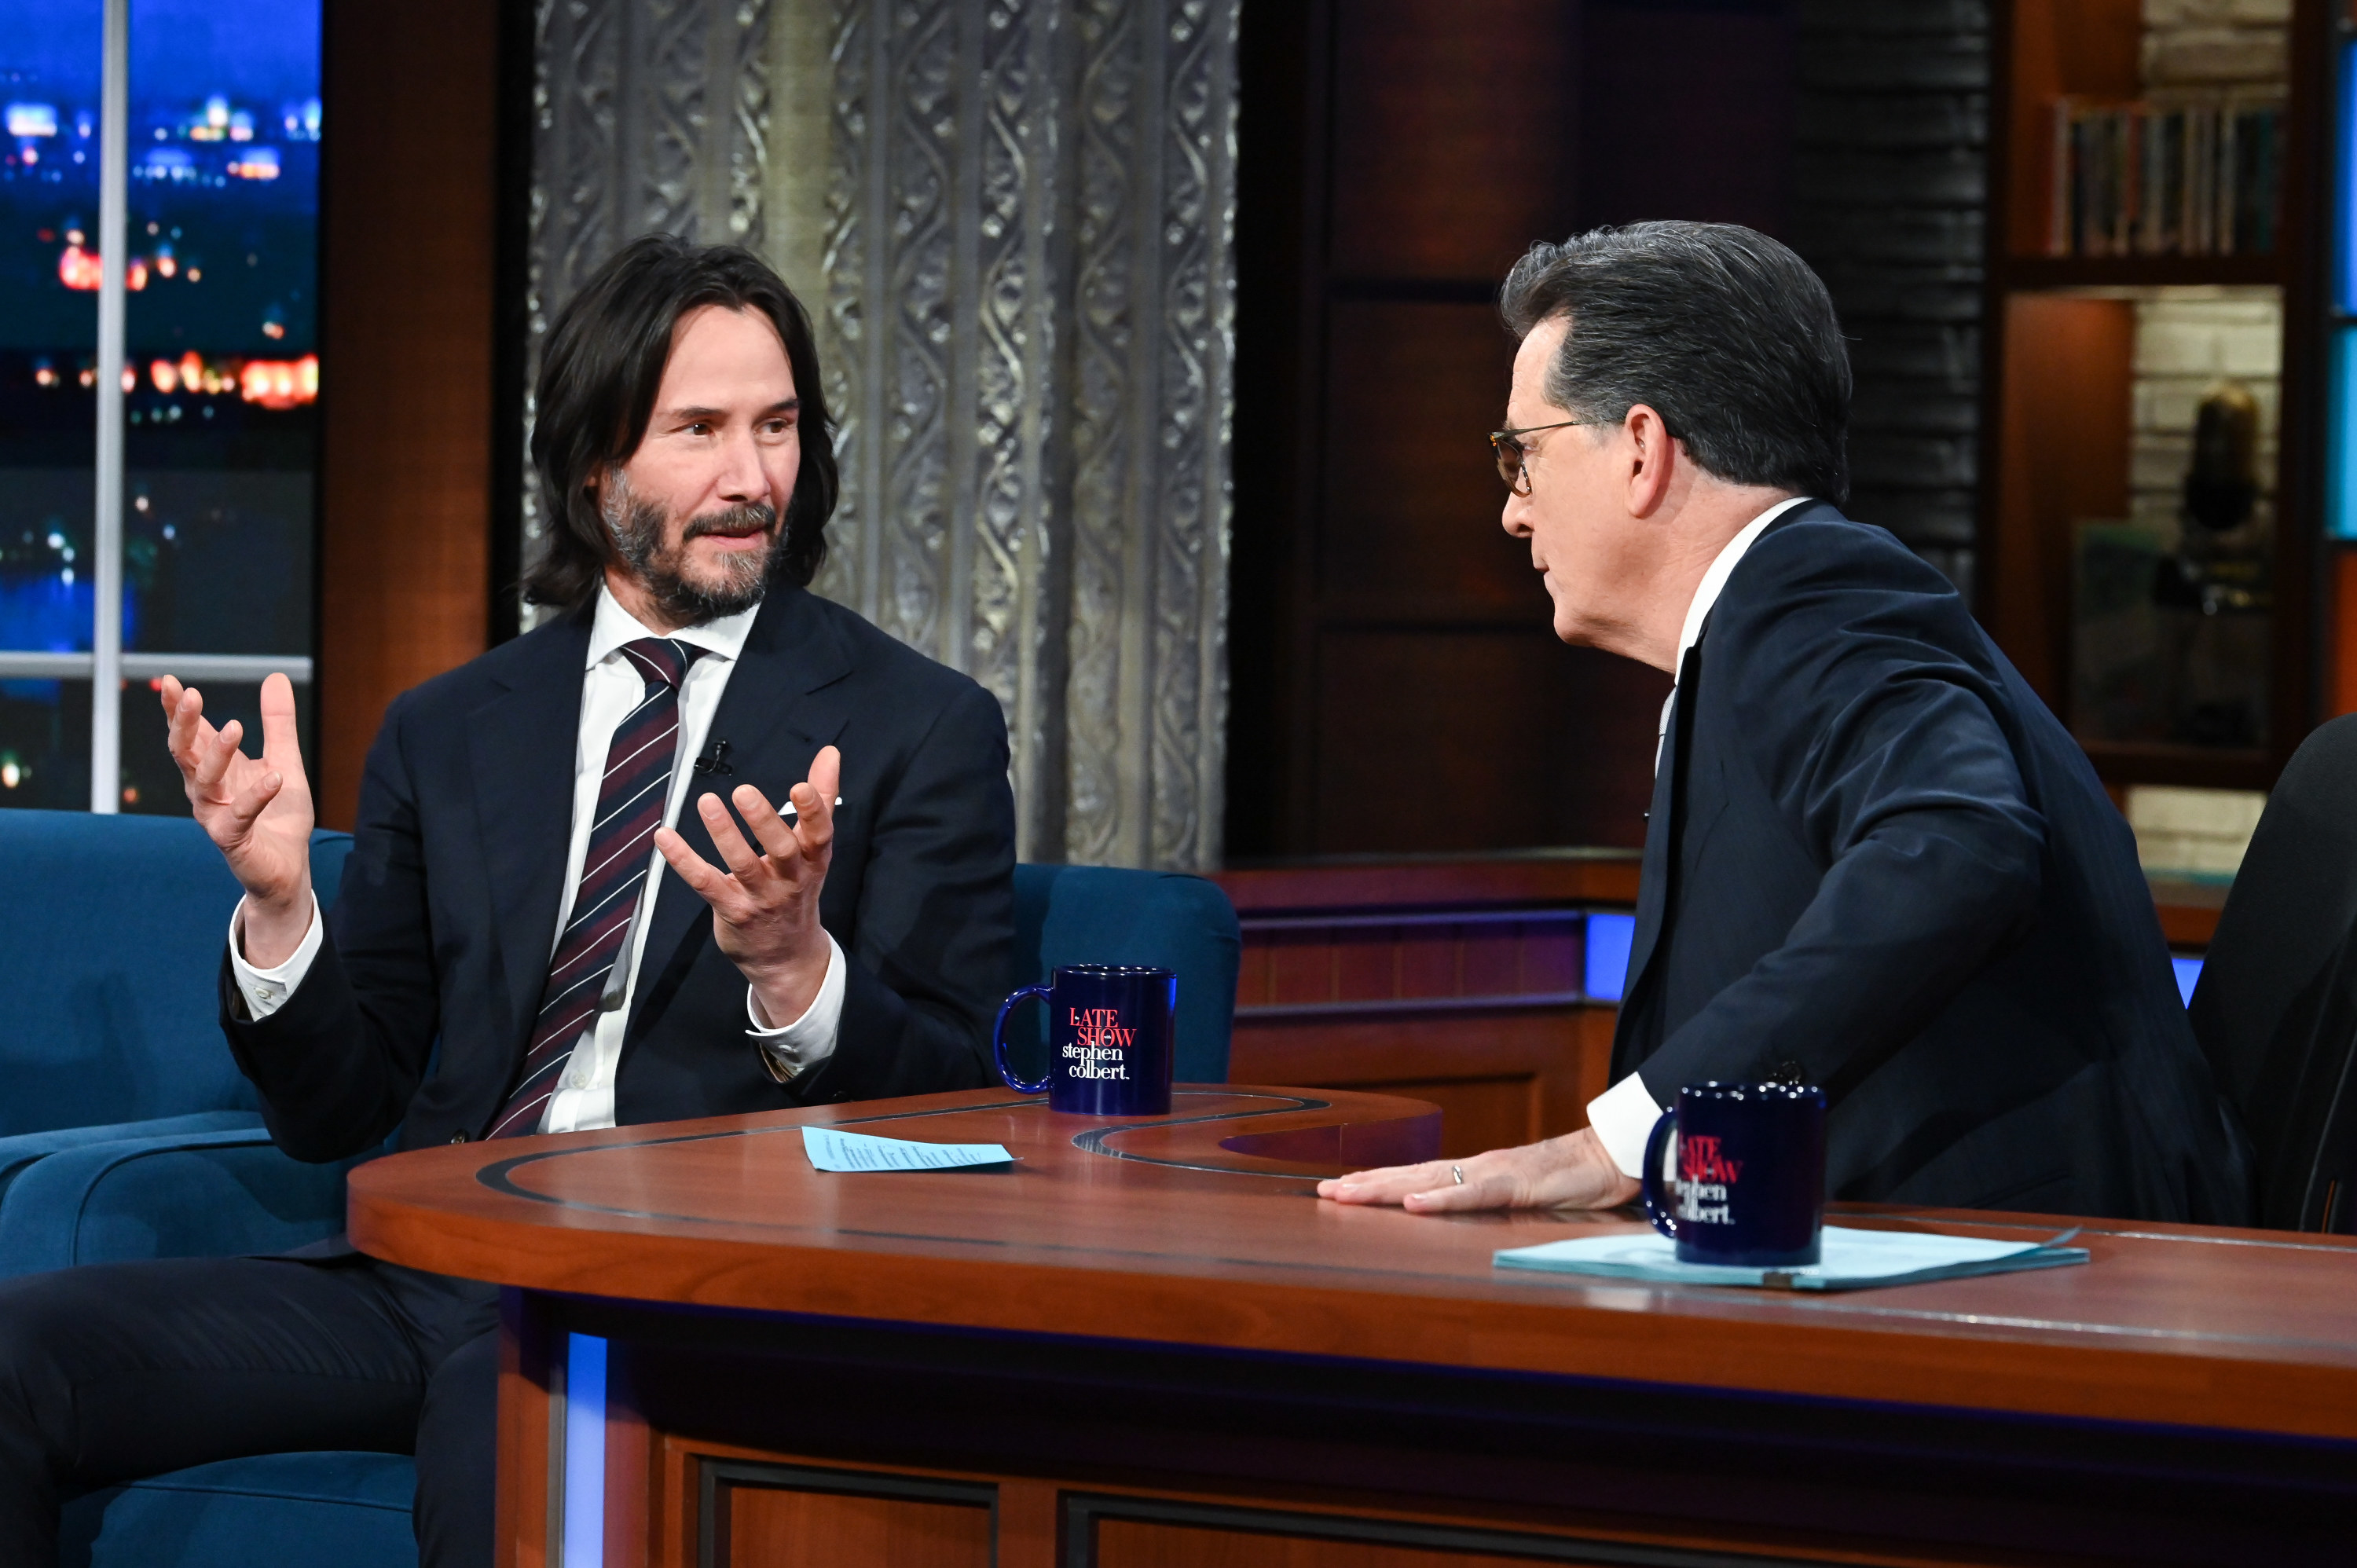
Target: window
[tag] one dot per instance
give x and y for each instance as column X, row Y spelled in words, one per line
column 158, row 379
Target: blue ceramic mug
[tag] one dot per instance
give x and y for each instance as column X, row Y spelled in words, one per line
column 1750, row 1174
column 1110, row 1032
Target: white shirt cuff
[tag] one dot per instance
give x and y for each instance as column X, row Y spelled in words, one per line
column 1623, row 1118
column 266, row 990
column 794, row 1048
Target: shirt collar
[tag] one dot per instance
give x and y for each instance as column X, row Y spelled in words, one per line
column 613, row 626
column 1714, row 581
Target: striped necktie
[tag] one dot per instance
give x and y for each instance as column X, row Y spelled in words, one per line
column 630, row 799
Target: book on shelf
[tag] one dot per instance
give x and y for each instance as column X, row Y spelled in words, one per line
column 2183, row 175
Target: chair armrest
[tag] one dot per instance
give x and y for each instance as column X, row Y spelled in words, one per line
column 19, row 1152
column 189, row 1195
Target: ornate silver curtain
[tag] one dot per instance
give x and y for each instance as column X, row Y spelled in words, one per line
column 1013, row 220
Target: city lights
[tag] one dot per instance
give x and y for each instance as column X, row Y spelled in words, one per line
column 280, row 383
column 78, row 268
column 276, row 384
column 214, row 183
column 210, row 124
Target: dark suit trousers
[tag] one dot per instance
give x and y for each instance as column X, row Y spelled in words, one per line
column 114, row 1371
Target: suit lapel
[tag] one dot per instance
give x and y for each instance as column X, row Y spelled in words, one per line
column 1658, row 867
column 521, row 746
column 781, row 704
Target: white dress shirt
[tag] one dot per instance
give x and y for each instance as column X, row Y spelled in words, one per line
column 611, row 687
column 1624, row 1114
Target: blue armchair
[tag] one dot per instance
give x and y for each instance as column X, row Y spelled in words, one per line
column 133, row 1134
column 1094, row 914
column 110, row 1036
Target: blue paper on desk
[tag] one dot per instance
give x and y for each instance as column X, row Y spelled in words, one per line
column 831, row 1151
column 1853, row 1260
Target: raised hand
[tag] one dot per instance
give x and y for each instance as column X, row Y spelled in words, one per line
column 257, row 810
column 1572, row 1172
column 765, row 906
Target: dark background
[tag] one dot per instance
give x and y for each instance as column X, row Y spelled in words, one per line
column 1395, row 684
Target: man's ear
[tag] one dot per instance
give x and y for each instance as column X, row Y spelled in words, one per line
column 1654, row 459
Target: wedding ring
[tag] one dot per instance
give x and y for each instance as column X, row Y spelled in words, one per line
column 1458, row 1172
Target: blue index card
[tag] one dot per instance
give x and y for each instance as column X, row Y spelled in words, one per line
column 1853, row 1260
column 830, row 1150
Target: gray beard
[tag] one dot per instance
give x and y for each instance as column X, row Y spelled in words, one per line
column 638, row 527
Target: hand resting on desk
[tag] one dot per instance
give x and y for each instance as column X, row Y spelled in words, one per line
column 1572, row 1171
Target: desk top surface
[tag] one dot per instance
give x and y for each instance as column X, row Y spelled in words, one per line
column 1202, row 1228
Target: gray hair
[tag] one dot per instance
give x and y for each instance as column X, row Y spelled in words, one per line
column 1723, row 332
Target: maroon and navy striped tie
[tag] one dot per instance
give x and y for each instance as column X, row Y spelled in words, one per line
column 613, row 869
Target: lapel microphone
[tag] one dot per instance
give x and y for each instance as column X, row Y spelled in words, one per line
column 715, row 758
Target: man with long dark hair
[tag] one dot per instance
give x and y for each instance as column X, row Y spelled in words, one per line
column 539, row 931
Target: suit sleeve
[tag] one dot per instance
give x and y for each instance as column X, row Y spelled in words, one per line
column 1868, row 714
column 336, row 1063
column 931, row 957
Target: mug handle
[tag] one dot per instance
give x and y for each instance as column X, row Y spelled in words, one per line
column 1657, row 1205
column 998, row 1040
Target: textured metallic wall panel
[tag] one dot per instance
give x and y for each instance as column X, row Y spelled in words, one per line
column 648, row 115
column 1026, row 317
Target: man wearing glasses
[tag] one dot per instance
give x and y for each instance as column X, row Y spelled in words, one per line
column 1875, row 862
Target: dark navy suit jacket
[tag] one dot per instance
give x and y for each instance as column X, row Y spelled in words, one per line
column 1874, row 856
column 447, row 913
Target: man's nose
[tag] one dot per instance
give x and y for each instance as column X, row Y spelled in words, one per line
column 742, row 477
column 1511, row 517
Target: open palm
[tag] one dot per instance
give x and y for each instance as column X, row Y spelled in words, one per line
column 256, row 810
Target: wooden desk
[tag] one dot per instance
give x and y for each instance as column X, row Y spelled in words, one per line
column 1148, row 1344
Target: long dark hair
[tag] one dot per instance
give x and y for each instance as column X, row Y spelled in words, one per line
column 598, row 382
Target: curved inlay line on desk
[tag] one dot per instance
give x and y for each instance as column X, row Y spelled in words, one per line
column 1095, row 1140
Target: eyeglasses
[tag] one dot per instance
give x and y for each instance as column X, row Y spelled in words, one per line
column 1508, row 445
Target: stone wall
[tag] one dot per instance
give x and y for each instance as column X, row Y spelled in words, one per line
column 2187, row 339
column 1890, row 191
column 2215, row 43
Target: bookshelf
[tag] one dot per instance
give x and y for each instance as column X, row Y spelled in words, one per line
column 2174, row 632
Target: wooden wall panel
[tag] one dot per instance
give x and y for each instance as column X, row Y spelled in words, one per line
column 408, row 191
column 1404, row 155
column 1466, row 738
column 2342, row 697
column 1135, row 1543
column 1686, row 119
column 1453, row 133
column 773, row 1525
column 1413, row 497
column 2067, row 413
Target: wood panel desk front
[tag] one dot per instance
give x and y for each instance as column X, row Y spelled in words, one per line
column 1148, row 1344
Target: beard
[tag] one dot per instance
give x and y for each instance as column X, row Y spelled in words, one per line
column 639, row 528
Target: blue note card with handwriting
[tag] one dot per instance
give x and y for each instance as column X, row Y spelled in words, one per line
column 1854, row 1260
column 830, row 1150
